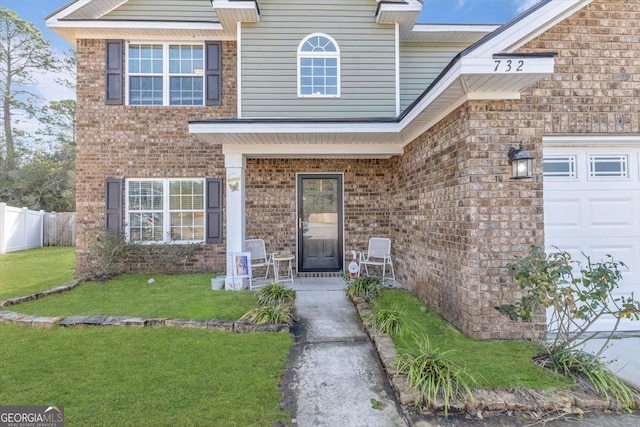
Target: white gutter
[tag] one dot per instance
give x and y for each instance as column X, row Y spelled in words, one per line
column 142, row 25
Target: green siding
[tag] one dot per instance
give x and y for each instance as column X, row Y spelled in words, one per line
column 420, row 64
column 174, row 10
column 269, row 60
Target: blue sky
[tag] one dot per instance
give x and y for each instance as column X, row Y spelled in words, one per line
column 433, row 11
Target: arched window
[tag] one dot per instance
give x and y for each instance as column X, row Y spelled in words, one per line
column 318, row 66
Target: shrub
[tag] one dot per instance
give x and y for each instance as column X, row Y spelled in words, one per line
column 387, row 320
column 110, row 255
column 576, row 300
column 587, row 368
column 433, row 375
column 576, row 295
column 368, row 287
column 280, row 313
column 275, row 293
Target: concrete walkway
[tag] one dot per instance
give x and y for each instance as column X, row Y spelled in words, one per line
column 334, row 375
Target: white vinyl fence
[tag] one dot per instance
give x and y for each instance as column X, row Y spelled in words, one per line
column 21, row 228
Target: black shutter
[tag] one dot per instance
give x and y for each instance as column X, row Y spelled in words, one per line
column 214, row 210
column 213, row 73
column 113, row 217
column 113, row 73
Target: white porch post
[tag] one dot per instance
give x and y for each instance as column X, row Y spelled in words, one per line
column 235, row 190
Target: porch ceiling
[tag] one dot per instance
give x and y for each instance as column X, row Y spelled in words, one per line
column 498, row 77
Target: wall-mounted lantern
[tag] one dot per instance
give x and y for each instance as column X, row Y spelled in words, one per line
column 521, row 163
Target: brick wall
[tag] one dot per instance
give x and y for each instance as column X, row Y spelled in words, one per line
column 116, row 141
column 458, row 218
column 596, row 86
column 271, row 200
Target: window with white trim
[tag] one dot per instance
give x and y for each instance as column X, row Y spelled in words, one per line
column 165, row 210
column 165, row 74
column 318, row 66
column 559, row 167
column 608, row 166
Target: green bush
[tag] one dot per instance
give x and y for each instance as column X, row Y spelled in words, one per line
column 430, row 372
column 576, row 295
column 279, row 313
column 387, row 320
column 111, row 255
column 585, row 367
column 368, row 287
column 274, row 294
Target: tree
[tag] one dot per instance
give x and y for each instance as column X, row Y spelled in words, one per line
column 23, row 51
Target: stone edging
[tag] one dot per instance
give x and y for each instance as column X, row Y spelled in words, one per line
column 12, row 317
column 485, row 400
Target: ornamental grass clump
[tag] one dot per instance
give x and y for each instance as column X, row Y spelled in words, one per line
column 592, row 373
column 278, row 313
column 431, row 373
column 387, row 320
column 275, row 306
column 367, row 287
column 275, row 293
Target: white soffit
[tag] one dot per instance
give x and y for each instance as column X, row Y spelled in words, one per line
column 442, row 33
column 89, row 9
column 81, row 19
column 404, row 13
column 149, row 30
column 279, row 132
column 310, row 150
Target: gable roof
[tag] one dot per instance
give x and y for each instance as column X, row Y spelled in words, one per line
column 150, row 19
column 217, row 19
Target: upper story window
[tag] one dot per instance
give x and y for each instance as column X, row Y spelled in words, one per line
column 165, row 74
column 318, row 67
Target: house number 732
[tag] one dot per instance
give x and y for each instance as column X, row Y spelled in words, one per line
column 508, row 65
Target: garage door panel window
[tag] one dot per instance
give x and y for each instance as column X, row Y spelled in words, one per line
column 559, row 167
column 608, row 166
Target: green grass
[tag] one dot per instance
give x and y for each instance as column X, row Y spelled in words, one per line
column 493, row 364
column 184, row 296
column 26, row 272
column 145, row 377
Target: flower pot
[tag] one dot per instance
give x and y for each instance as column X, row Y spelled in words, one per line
column 217, row 283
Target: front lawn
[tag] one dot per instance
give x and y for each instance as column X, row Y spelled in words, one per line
column 35, row 270
column 184, row 296
column 147, row 376
column 137, row 376
column 494, row 364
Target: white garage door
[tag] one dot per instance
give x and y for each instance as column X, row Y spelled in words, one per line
column 592, row 206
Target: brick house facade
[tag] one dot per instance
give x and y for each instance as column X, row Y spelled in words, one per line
column 455, row 216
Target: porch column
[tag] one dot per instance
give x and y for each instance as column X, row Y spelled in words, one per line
column 235, row 165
